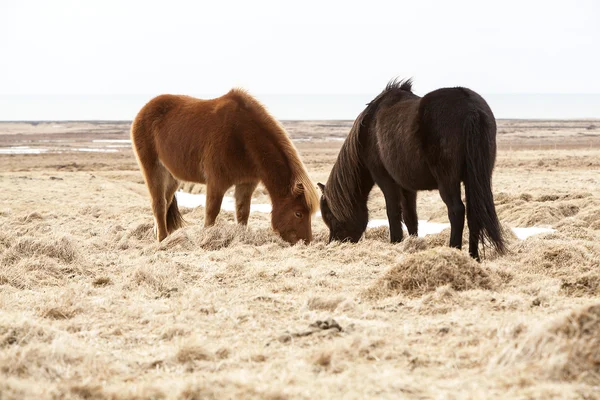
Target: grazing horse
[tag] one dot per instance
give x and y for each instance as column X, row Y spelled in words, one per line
column 405, row 143
column 230, row 140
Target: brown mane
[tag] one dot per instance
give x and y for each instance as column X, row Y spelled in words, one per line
column 301, row 182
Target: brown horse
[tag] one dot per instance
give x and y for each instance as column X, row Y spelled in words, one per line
column 405, row 143
column 230, row 140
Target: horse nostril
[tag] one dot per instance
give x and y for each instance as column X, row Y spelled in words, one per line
column 293, row 238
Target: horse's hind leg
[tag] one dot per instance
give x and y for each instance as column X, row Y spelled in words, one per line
column 174, row 219
column 474, row 230
column 450, row 194
column 409, row 211
column 157, row 179
column 243, row 197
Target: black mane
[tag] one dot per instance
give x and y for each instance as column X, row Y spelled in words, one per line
column 402, row 84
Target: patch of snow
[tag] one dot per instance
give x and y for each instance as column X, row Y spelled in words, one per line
column 195, row 200
column 425, row 227
column 95, row 150
column 21, row 150
column 524, row 233
column 112, row 141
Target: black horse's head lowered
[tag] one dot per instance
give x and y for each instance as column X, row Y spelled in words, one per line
column 347, row 230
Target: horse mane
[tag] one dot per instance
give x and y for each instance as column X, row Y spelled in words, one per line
column 345, row 173
column 346, row 170
column 301, row 183
column 399, row 84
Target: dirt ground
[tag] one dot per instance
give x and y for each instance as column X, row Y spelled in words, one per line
column 91, row 307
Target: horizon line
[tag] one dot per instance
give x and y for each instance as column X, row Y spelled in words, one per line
column 41, row 121
column 283, row 94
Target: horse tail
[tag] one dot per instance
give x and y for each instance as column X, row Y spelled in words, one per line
column 480, row 155
column 142, row 140
column 174, row 218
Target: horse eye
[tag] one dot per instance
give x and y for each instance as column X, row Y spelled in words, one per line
column 298, row 214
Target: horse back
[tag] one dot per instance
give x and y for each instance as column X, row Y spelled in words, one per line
column 443, row 115
column 192, row 137
column 394, row 146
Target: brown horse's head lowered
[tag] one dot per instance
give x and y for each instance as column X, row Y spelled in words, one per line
column 228, row 141
column 291, row 217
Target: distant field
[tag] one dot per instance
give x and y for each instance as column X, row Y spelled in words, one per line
column 91, row 307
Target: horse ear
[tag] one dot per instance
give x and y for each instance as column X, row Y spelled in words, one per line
column 322, row 187
column 298, row 189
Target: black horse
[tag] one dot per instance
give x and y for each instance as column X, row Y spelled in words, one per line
column 405, row 143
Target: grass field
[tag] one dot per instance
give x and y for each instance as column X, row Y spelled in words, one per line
column 91, row 307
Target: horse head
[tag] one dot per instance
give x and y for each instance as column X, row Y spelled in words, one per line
column 343, row 231
column 291, row 216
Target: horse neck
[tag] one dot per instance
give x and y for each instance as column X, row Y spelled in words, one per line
column 359, row 192
column 363, row 187
column 277, row 180
column 274, row 167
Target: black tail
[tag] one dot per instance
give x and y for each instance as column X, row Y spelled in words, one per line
column 174, row 218
column 480, row 158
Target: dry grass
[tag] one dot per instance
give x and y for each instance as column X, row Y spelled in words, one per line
column 582, row 286
column 423, row 272
column 557, row 256
column 92, row 308
column 568, row 349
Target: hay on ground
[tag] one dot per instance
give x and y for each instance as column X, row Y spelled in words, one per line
column 324, row 303
column 61, row 249
column 585, row 285
column 423, row 272
column 556, row 256
column 568, row 349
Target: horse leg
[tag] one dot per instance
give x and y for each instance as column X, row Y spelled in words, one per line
column 172, row 185
column 409, row 211
column 450, row 194
column 243, row 197
column 391, row 193
column 474, row 229
column 156, row 177
column 214, row 198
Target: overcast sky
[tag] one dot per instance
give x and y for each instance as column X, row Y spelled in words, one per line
column 195, row 47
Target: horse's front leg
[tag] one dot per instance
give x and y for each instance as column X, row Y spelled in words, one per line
column 391, row 193
column 243, row 198
column 214, row 198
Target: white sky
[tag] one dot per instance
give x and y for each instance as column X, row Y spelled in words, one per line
column 195, row 47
